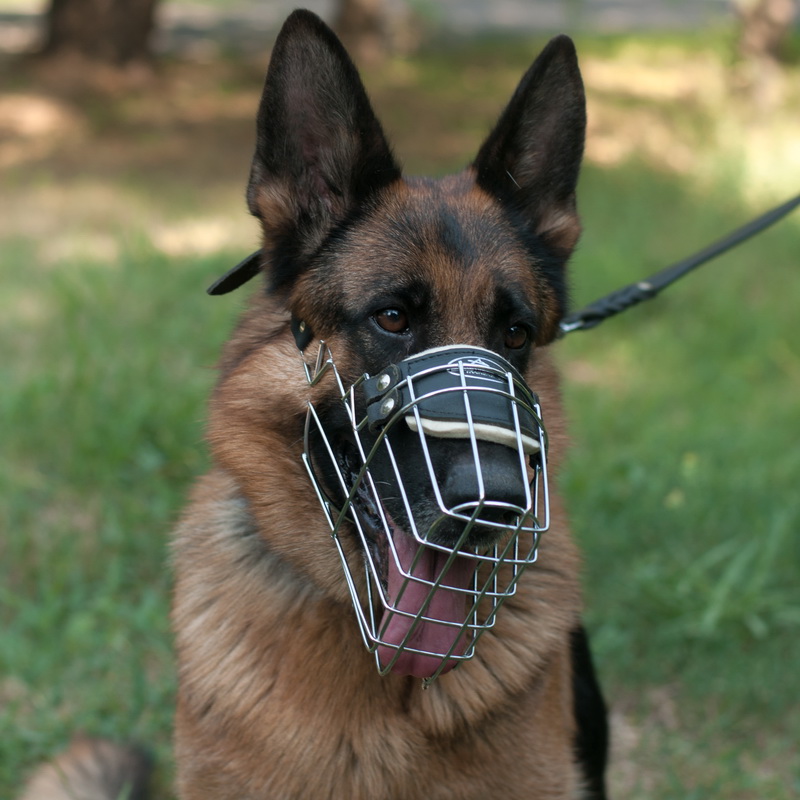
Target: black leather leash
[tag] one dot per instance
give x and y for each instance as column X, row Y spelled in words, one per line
column 602, row 309
column 635, row 293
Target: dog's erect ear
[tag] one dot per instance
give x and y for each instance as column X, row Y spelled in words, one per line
column 320, row 149
column 531, row 159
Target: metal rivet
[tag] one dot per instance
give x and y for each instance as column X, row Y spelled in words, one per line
column 388, row 405
column 383, row 382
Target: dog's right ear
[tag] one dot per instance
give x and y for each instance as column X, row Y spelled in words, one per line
column 320, row 149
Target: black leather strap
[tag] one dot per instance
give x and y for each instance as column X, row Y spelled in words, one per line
column 436, row 382
column 635, row 293
column 237, row 276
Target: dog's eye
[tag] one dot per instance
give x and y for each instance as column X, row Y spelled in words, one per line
column 516, row 337
column 392, row 320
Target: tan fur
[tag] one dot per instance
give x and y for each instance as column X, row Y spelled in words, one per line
column 91, row 769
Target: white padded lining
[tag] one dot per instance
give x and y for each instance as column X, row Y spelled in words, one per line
column 448, row 429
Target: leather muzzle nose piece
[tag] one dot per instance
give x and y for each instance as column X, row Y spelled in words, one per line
column 451, row 391
column 494, row 475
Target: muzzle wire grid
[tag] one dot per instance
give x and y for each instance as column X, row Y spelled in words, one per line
column 486, row 400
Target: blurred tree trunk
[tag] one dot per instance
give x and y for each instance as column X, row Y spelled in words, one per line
column 764, row 27
column 765, row 24
column 363, row 26
column 110, row 32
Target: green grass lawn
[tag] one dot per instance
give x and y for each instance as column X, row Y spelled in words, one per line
column 682, row 479
column 682, row 489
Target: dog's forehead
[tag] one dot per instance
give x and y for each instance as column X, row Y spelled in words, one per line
column 445, row 234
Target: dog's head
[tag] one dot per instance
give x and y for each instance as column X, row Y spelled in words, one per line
column 419, row 306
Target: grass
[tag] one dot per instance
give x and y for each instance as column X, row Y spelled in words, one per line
column 682, row 476
column 681, row 485
column 93, row 472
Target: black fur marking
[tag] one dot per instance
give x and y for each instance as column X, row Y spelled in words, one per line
column 376, row 347
column 592, row 739
column 511, row 308
column 387, row 290
column 285, row 259
column 547, row 261
column 449, row 233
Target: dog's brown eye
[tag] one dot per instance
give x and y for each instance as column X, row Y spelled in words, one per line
column 392, row 320
column 516, row 337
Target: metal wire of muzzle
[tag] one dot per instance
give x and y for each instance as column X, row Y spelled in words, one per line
column 422, row 605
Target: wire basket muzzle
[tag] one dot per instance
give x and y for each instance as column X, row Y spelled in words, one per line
column 436, row 572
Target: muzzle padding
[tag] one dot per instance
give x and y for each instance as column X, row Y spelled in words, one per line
column 455, row 390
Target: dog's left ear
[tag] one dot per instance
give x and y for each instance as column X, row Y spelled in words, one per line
column 320, row 149
column 532, row 158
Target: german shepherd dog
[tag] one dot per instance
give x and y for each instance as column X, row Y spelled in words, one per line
column 376, row 285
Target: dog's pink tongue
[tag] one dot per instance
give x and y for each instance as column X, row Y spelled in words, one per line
column 446, row 605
